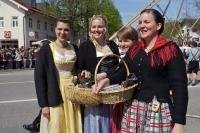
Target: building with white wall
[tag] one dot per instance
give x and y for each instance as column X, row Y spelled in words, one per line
column 22, row 23
column 191, row 29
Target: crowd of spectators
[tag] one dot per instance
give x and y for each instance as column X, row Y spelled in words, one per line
column 18, row 58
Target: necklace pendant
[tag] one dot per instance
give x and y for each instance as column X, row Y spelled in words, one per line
column 155, row 104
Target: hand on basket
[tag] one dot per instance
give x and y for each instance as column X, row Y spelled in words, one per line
column 96, row 88
column 86, row 74
column 101, row 76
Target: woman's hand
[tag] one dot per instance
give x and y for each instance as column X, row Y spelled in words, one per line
column 101, row 76
column 100, row 85
column 178, row 128
column 85, row 74
column 46, row 112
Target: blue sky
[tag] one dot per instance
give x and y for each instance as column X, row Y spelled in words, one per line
column 130, row 8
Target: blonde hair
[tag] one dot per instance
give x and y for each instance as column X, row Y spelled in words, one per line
column 101, row 18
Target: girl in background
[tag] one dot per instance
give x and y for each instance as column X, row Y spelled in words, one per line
column 127, row 37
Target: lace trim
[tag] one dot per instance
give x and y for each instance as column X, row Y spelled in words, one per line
column 61, row 59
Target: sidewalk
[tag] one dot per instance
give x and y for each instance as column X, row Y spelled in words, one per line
column 15, row 70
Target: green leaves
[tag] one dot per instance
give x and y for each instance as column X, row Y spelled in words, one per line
column 81, row 10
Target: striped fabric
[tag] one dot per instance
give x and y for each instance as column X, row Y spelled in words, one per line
column 97, row 119
column 138, row 117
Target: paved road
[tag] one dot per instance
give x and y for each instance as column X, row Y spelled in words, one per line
column 18, row 103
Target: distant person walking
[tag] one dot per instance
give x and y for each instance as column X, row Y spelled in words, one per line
column 193, row 65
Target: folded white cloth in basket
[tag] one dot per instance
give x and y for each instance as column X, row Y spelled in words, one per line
column 112, row 87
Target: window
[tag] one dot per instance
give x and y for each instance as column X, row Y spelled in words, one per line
column 52, row 27
column 1, row 22
column 14, row 21
column 30, row 23
column 33, row 3
column 45, row 25
column 195, row 39
column 38, row 24
column 182, row 31
column 36, row 35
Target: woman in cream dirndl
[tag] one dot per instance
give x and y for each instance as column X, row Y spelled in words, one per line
column 53, row 73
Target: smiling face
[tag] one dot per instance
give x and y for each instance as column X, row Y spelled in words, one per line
column 148, row 27
column 97, row 29
column 62, row 31
column 124, row 45
column 126, row 37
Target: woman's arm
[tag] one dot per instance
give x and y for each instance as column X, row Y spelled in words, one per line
column 96, row 88
column 105, row 79
column 121, row 73
column 178, row 128
column 178, row 83
column 40, row 78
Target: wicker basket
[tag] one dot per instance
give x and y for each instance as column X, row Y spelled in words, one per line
column 85, row 95
column 82, row 95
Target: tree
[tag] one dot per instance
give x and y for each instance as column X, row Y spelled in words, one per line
column 169, row 26
column 51, row 7
column 80, row 11
column 113, row 16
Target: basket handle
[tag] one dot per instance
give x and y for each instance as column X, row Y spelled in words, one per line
column 110, row 55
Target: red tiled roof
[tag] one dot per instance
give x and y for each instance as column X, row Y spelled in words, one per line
column 34, row 9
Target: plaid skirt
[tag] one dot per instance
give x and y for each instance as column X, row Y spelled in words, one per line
column 138, row 117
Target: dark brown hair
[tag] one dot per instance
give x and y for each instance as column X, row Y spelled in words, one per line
column 64, row 20
column 157, row 17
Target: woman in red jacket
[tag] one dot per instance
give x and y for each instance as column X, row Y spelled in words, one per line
column 159, row 66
